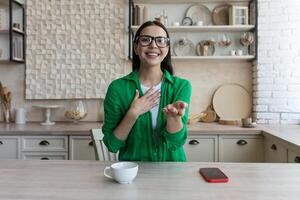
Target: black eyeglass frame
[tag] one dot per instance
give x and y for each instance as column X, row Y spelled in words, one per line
column 152, row 38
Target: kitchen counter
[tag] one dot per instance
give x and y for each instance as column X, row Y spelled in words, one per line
column 66, row 180
column 289, row 133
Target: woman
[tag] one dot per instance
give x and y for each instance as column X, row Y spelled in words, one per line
column 146, row 111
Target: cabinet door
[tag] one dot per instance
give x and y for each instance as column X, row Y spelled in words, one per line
column 293, row 156
column 201, row 148
column 241, row 149
column 45, row 156
column 81, row 148
column 9, row 147
column 275, row 152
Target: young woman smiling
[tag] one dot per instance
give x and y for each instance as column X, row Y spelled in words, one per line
column 146, row 111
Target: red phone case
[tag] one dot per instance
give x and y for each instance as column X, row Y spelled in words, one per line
column 222, row 178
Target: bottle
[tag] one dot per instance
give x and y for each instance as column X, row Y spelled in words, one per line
column 145, row 14
column 165, row 17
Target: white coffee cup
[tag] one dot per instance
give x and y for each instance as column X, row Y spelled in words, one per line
column 175, row 24
column 122, row 172
column 232, row 52
column 20, row 116
column 239, row 52
column 199, row 23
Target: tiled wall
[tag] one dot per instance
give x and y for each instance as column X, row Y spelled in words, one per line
column 74, row 48
column 276, row 77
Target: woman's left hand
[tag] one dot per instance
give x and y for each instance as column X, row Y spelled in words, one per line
column 176, row 109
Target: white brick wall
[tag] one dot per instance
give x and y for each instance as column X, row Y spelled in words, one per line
column 276, row 75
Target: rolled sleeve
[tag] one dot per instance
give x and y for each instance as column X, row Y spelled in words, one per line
column 113, row 115
column 177, row 140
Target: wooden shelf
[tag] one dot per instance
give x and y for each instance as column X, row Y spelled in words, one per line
column 4, row 31
column 212, row 28
column 215, row 58
column 185, row 2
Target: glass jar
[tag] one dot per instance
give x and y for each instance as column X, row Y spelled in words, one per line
column 76, row 110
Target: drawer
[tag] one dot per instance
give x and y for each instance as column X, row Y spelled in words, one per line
column 9, row 147
column 241, row 149
column 201, row 148
column 44, row 156
column 44, row 143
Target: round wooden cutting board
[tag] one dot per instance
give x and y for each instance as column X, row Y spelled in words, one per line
column 232, row 101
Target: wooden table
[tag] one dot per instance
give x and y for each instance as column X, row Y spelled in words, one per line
column 84, row 180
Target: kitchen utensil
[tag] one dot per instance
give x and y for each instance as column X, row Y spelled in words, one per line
column 196, row 118
column 233, row 122
column 184, row 47
column 220, row 14
column 205, row 48
column 210, row 115
column 47, row 113
column 232, row 102
column 199, row 12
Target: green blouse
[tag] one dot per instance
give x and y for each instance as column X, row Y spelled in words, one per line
column 140, row 144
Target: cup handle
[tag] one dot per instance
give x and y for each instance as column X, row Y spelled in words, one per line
column 105, row 174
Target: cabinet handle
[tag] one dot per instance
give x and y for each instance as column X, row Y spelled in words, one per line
column 274, row 147
column 44, row 143
column 193, row 142
column 45, row 158
column 242, row 142
column 1, row 142
column 297, row 159
column 91, row 143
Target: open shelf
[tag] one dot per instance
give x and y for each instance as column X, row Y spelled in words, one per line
column 216, row 58
column 212, row 28
column 190, row 1
column 4, row 31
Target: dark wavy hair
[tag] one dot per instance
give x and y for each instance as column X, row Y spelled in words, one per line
column 166, row 63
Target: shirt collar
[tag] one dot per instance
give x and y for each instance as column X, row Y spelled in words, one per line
column 134, row 76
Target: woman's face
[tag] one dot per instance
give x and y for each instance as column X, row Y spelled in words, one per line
column 152, row 54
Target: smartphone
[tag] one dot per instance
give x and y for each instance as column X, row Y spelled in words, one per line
column 213, row 175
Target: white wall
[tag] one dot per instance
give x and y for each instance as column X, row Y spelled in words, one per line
column 276, row 77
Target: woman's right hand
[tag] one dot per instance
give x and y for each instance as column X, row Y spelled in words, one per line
column 141, row 105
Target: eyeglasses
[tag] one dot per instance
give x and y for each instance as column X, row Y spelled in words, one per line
column 146, row 40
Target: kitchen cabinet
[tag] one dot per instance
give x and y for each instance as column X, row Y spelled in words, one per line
column 241, row 148
column 293, row 156
column 196, row 34
column 81, row 148
column 44, row 147
column 12, row 31
column 9, row 147
column 201, row 148
column 275, row 150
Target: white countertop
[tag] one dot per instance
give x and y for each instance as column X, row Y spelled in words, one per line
column 72, row 180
